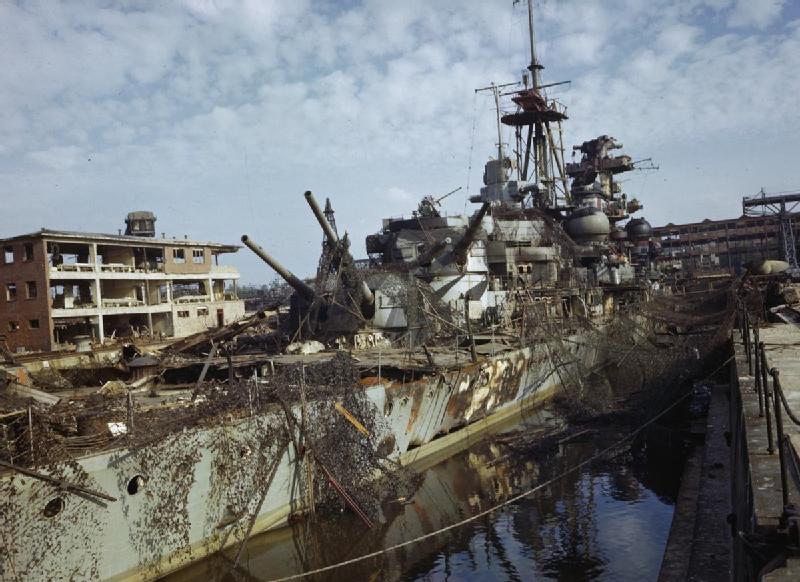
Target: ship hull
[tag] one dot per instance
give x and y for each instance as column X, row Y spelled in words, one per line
column 195, row 492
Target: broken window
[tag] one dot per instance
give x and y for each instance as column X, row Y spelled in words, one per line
column 183, row 313
column 202, row 311
column 13, row 325
column 28, row 249
column 198, row 256
column 8, row 255
column 178, row 256
column 33, row 324
column 30, row 288
column 189, row 289
column 11, row 291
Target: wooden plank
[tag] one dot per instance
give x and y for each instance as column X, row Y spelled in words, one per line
column 24, row 391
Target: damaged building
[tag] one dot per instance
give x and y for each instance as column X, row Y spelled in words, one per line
column 767, row 229
column 62, row 290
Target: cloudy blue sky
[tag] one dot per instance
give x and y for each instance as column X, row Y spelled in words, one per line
column 218, row 114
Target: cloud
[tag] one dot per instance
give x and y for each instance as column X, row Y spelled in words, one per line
column 400, row 195
column 58, row 158
column 218, row 114
column 757, row 13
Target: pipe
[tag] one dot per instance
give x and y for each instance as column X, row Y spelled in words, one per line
column 323, row 222
column 301, row 287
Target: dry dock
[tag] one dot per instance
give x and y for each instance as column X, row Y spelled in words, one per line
column 766, row 495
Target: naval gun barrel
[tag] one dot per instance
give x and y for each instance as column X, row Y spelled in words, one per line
column 367, row 298
column 323, row 222
column 433, row 252
column 300, row 286
column 462, row 245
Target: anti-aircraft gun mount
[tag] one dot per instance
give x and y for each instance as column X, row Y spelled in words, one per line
column 340, row 301
column 429, row 205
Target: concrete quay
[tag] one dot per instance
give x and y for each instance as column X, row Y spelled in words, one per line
column 762, row 489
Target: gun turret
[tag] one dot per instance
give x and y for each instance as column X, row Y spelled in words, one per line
column 330, row 234
column 301, row 287
column 462, row 245
column 433, row 252
column 367, row 300
column 367, row 297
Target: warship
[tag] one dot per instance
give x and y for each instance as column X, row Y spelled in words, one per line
column 453, row 324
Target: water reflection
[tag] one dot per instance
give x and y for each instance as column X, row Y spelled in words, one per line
column 608, row 521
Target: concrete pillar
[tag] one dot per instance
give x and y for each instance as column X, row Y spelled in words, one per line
column 97, row 296
column 150, row 323
column 100, row 329
column 169, row 292
column 211, row 289
column 93, row 257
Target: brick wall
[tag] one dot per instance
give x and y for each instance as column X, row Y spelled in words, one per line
column 24, row 300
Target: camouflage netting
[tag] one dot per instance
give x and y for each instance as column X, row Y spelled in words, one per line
column 249, row 426
column 648, row 351
column 359, row 462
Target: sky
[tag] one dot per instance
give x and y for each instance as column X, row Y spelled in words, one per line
column 218, row 114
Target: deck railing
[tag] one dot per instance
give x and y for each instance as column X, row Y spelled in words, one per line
column 772, row 405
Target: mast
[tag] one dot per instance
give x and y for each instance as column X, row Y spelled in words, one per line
column 535, row 113
column 534, row 67
column 495, row 89
column 496, row 93
column 539, row 139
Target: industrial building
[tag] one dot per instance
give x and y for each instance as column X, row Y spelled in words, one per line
column 768, row 229
column 61, row 290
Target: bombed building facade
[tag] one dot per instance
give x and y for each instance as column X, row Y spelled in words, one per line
column 767, row 229
column 62, row 290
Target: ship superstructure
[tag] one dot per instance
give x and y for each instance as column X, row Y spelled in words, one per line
column 543, row 228
column 453, row 320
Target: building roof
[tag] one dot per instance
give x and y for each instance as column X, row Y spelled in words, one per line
column 140, row 241
column 706, row 221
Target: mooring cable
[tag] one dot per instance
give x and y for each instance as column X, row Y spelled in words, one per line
column 492, row 509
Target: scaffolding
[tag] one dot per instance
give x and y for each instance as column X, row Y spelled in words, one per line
column 780, row 205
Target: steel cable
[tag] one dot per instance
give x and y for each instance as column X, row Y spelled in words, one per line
column 788, row 410
column 497, row 507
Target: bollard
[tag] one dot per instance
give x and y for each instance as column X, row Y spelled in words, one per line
column 765, row 388
column 776, row 397
column 759, row 345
